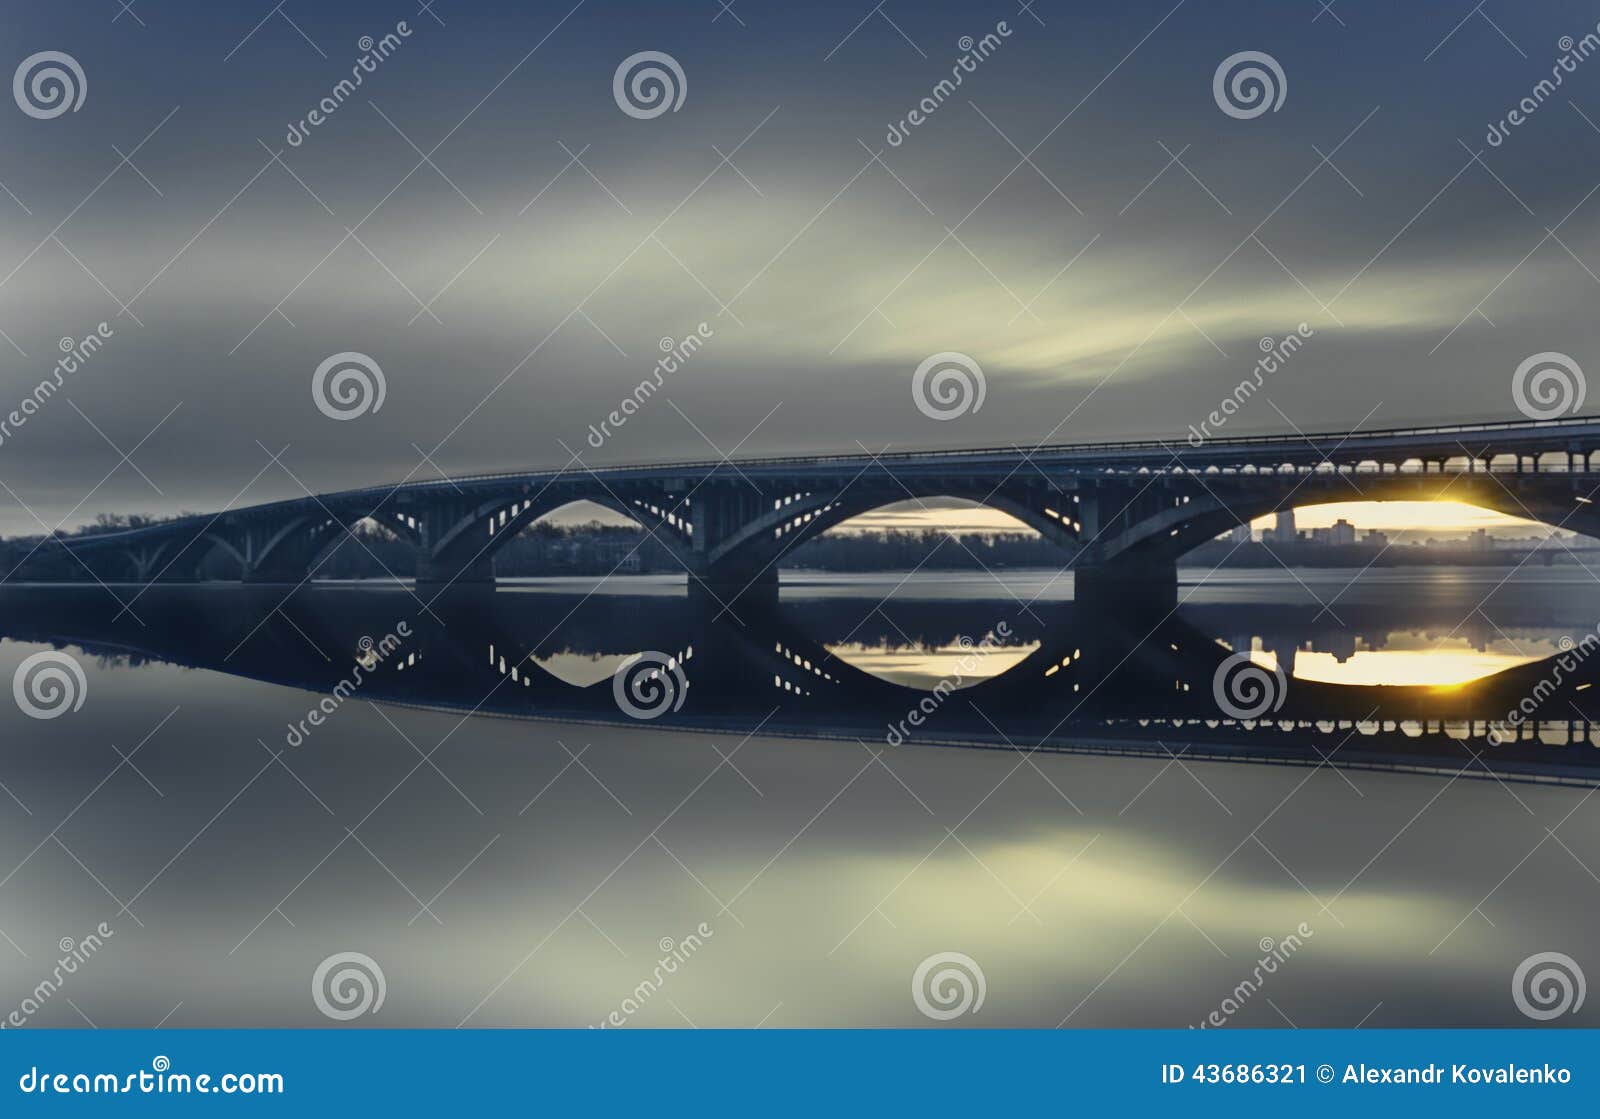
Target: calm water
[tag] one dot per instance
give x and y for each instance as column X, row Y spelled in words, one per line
column 480, row 818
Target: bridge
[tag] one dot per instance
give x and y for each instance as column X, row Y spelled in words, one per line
column 1122, row 512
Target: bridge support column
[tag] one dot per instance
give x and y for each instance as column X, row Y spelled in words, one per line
column 183, row 571
column 1137, row 583
column 435, row 572
column 726, row 586
column 273, row 574
column 719, row 512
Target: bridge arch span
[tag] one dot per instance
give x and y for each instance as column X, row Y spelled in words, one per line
column 794, row 519
column 1165, row 534
column 465, row 545
column 292, row 550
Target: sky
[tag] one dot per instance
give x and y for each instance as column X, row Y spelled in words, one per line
column 484, row 221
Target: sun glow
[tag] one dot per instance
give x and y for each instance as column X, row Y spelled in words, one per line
column 1417, row 516
column 1422, row 518
column 1410, row 659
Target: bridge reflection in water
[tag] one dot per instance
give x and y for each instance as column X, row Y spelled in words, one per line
column 1056, row 676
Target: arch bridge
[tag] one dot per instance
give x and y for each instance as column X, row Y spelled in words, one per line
column 1122, row 512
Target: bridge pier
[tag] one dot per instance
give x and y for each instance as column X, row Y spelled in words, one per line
column 273, row 574
column 180, row 572
column 1145, row 584
column 437, row 573
column 730, row 585
column 734, row 594
column 159, row 568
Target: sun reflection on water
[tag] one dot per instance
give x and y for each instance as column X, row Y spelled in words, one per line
column 1409, row 659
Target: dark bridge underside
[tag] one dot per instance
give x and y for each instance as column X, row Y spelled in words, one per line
column 1122, row 514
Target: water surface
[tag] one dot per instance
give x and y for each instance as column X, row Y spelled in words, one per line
column 515, row 850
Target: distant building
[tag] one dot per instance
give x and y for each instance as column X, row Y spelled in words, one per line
column 1376, row 539
column 1342, row 533
column 1341, row 644
column 1286, row 530
column 1240, row 535
column 1283, row 532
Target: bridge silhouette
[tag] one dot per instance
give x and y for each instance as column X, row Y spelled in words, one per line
column 1088, row 679
column 1122, row 512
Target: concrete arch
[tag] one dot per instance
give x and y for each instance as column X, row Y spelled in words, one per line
column 803, row 516
column 278, row 542
column 218, row 540
column 159, row 559
column 172, row 557
column 490, row 525
column 328, row 537
column 294, row 550
column 1168, row 533
column 403, row 525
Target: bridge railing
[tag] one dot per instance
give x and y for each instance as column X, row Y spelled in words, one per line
column 1176, row 444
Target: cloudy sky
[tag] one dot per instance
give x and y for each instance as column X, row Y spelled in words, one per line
column 509, row 246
